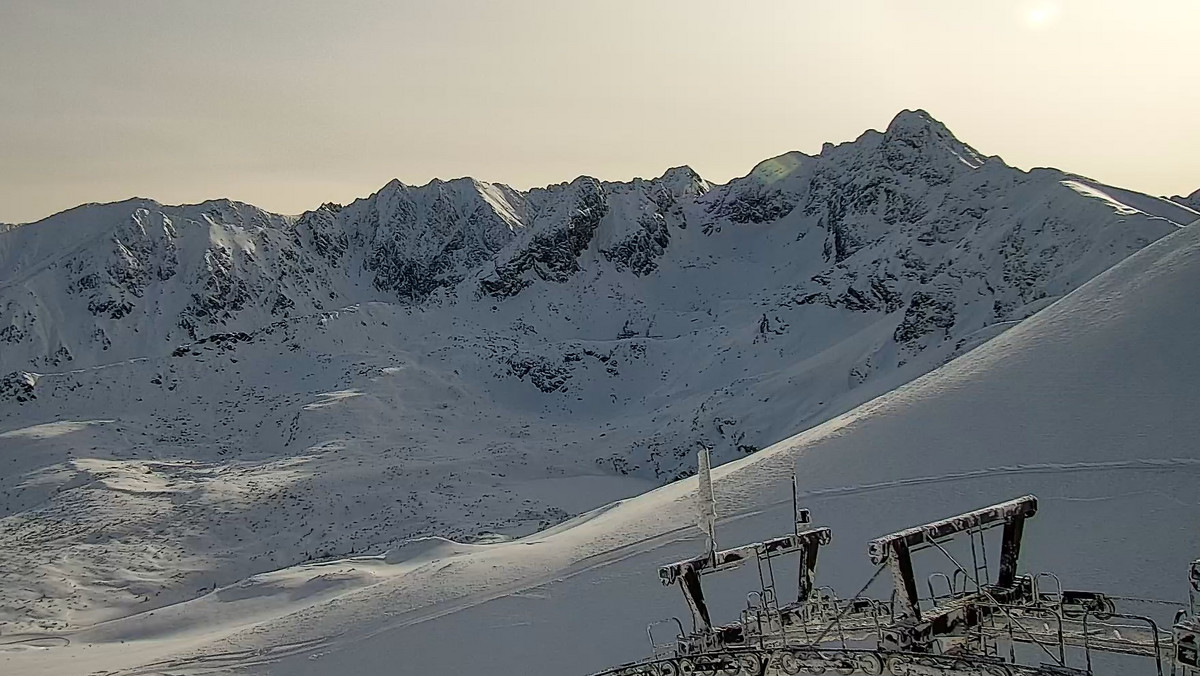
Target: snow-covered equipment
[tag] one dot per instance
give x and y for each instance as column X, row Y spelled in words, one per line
column 706, row 501
column 1186, row 632
column 974, row 617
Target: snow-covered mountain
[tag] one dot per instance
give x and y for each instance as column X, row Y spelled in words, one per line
column 195, row 394
column 1192, row 201
column 1089, row 405
column 903, row 220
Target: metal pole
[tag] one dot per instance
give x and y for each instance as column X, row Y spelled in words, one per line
column 1087, row 648
column 762, row 583
column 974, row 560
column 802, row 555
column 795, row 508
column 987, row 575
column 771, row 574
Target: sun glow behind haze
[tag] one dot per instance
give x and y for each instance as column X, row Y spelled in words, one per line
column 288, row 104
column 1042, row 14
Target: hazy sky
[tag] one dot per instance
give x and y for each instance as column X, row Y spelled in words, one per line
column 292, row 103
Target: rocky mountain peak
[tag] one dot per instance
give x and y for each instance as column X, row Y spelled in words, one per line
column 914, row 123
column 777, row 168
column 1192, row 201
column 916, row 132
column 683, row 181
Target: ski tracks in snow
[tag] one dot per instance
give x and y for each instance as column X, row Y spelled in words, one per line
column 319, row 646
column 1139, row 465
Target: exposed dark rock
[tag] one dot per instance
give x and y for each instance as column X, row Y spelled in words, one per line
column 18, row 386
column 552, row 255
column 926, row 314
column 640, row 252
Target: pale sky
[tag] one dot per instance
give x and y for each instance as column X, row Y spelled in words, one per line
column 288, row 104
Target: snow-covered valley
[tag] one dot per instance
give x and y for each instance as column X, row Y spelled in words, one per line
column 197, row 396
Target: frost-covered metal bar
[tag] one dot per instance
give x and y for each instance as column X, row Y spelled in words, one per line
column 960, row 633
column 729, row 559
column 904, row 581
column 1010, row 549
column 881, row 549
column 808, row 571
column 896, row 549
column 1186, row 632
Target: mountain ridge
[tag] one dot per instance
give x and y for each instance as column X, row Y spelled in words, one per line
column 422, row 240
column 1191, row 201
column 464, row 360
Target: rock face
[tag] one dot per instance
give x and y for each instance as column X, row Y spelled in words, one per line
column 565, row 220
column 1192, row 201
column 414, row 241
column 18, row 386
column 630, row 223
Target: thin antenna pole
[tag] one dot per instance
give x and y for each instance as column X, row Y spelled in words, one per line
column 795, row 508
column 803, row 554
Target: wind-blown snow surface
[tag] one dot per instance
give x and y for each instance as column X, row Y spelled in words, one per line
column 196, row 395
column 1090, row 404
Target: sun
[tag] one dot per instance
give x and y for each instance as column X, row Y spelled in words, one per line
column 1041, row 15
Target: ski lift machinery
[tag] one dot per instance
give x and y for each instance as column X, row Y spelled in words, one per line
column 966, row 621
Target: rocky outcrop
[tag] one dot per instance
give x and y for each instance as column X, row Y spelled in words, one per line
column 644, row 215
column 926, row 315
column 18, row 386
column 418, row 240
column 1192, row 201
column 561, row 230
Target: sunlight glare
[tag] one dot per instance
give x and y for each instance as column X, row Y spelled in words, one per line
column 1041, row 15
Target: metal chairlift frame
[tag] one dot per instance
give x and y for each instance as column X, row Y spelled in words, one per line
column 957, row 633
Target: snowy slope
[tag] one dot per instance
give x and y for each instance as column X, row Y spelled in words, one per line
column 1192, row 201
column 1087, row 404
column 198, row 394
